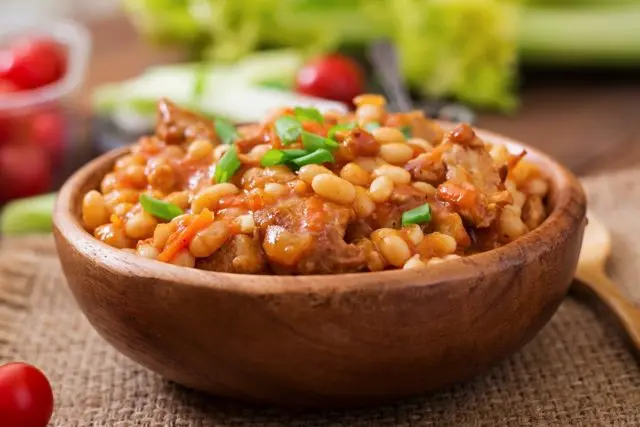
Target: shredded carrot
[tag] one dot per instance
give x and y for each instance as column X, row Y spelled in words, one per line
column 273, row 137
column 465, row 198
column 416, row 150
column 186, row 235
column 314, row 127
column 439, row 150
column 234, row 228
column 315, row 213
column 515, row 159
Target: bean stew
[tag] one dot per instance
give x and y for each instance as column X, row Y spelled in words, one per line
column 310, row 193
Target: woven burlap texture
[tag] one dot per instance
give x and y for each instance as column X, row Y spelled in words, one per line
column 577, row 371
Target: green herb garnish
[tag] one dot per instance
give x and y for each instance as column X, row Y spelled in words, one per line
column 278, row 157
column 288, row 129
column 308, row 114
column 406, row 131
column 159, row 208
column 226, row 131
column 313, row 142
column 371, row 126
column 419, row 215
column 227, row 166
column 319, row 156
column 340, row 128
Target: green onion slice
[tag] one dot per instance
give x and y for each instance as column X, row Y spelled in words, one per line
column 308, row 114
column 278, row 157
column 227, row 166
column 340, row 128
column 313, row 142
column 406, row 131
column 371, row 126
column 319, row 156
column 226, row 131
column 288, row 129
column 419, row 215
column 159, row 208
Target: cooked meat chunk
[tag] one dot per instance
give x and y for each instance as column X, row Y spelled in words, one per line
column 428, row 167
column 241, row 254
column 358, row 230
column 403, row 198
column 329, row 253
column 258, row 177
column 303, row 235
column 450, row 223
column 474, row 185
column 177, row 125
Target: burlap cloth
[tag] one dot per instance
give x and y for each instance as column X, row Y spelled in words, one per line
column 577, row 371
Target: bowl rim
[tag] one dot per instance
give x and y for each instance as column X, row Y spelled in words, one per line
column 570, row 208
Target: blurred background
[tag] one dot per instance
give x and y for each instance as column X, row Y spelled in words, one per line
column 80, row 77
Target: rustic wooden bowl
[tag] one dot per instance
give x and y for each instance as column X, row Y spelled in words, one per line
column 337, row 340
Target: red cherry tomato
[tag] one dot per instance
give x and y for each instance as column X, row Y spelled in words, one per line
column 7, row 87
column 33, row 62
column 25, row 170
column 6, row 121
column 26, row 398
column 332, row 77
column 48, row 131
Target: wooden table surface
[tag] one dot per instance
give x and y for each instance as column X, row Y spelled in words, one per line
column 589, row 122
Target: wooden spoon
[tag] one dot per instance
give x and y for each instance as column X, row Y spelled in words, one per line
column 591, row 274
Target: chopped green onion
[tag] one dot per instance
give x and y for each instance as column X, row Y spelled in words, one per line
column 319, row 156
column 313, row 142
column 278, row 157
column 227, row 166
column 419, row 215
column 293, row 153
column 288, row 129
column 406, row 131
column 272, row 158
column 308, row 114
column 226, row 131
column 159, row 208
column 340, row 128
column 371, row 126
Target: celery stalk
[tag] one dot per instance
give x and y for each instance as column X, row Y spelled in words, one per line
column 581, row 36
column 30, row 215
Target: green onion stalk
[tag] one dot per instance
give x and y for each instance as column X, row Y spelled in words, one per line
column 602, row 36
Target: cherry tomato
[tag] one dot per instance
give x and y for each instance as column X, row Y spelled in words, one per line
column 334, row 77
column 25, row 170
column 48, row 131
column 26, row 398
column 33, row 62
column 7, row 87
column 6, row 122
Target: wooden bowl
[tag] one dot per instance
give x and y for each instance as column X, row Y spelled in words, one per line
column 336, row 340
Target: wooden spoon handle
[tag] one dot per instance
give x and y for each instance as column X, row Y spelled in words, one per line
column 626, row 311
